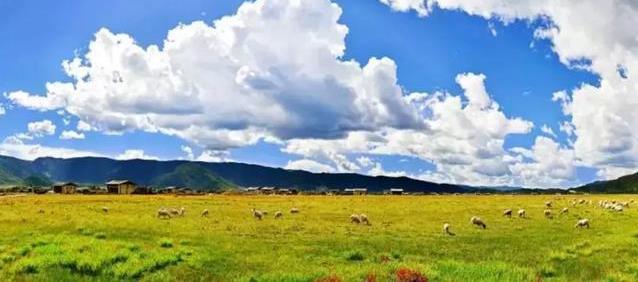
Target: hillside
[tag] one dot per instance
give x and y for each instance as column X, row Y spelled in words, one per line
column 212, row 176
column 193, row 176
column 624, row 184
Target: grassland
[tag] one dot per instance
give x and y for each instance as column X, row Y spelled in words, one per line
column 74, row 240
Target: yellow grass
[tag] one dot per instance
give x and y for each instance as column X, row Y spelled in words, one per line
column 75, row 240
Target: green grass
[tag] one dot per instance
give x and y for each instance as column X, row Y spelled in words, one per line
column 75, row 241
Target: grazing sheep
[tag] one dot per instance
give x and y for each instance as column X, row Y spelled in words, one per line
column 294, row 210
column 618, row 208
column 355, row 218
column 564, row 210
column 446, row 229
column 548, row 204
column 581, row 201
column 105, row 209
column 364, row 219
column 582, row 223
column 508, row 213
column 204, row 213
column 182, row 211
column 278, row 214
column 173, row 212
column 163, row 213
column 257, row 214
column 521, row 213
column 478, row 222
column 548, row 213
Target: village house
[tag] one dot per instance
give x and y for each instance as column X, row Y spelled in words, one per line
column 120, row 187
column 355, row 191
column 65, row 188
column 396, row 191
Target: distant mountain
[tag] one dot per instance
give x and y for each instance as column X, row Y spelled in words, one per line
column 624, row 184
column 194, row 176
column 209, row 176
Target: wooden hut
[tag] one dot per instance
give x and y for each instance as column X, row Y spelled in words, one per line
column 121, row 187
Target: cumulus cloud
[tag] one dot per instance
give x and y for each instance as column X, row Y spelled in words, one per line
column 41, row 128
column 133, row 154
column 70, row 134
column 231, row 83
column 597, row 36
column 188, row 151
column 309, row 165
column 464, row 138
column 16, row 148
column 548, row 130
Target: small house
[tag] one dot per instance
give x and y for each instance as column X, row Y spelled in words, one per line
column 65, row 188
column 267, row 190
column 120, row 187
column 355, row 191
column 396, row 191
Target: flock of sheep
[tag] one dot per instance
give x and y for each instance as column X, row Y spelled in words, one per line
column 580, row 223
column 612, row 205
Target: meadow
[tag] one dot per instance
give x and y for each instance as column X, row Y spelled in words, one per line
column 70, row 238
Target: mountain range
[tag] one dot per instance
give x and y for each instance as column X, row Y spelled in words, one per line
column 228, row 175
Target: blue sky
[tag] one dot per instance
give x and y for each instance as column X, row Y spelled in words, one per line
column 521, row 71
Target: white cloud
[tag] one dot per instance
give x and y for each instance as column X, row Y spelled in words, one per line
column 70, row 134
column 83, row 126
column 365, row 161
column 464, row 138
column 309, row 165
column 548, row 130
column 41, row 128
column 598, row 36
column 250, row 65
column 378, row 170
column 15, row 148
column 188, row 151
column 132, row 154
column 3, row 111
column 213, row 156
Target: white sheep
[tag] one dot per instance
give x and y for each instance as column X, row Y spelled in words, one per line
column 446, row 229
column 294, row 210
column 508, row 213
column 364, row 219
column 564, row 211
column 163, row 213
column 257, row 214
column 521, row 213
column 278, row 214
column 173, row 212
column 582, row 201
column 204, row 213
column 548, row 204
column 182, row 211
column 355, row 218
column 618, row 208
column 582, row 223
column 548, row 213
column 105, row 209
column 478, row 222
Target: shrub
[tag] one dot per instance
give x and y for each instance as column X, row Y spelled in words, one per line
column 7, row 258
column 166, row 243
column 408, row 275
column 331, row 278
column 100, row 235
column 355, row 256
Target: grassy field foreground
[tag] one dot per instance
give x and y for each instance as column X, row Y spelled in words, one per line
column 73, row 239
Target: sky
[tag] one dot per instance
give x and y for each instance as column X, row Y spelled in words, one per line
column 533, row 93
